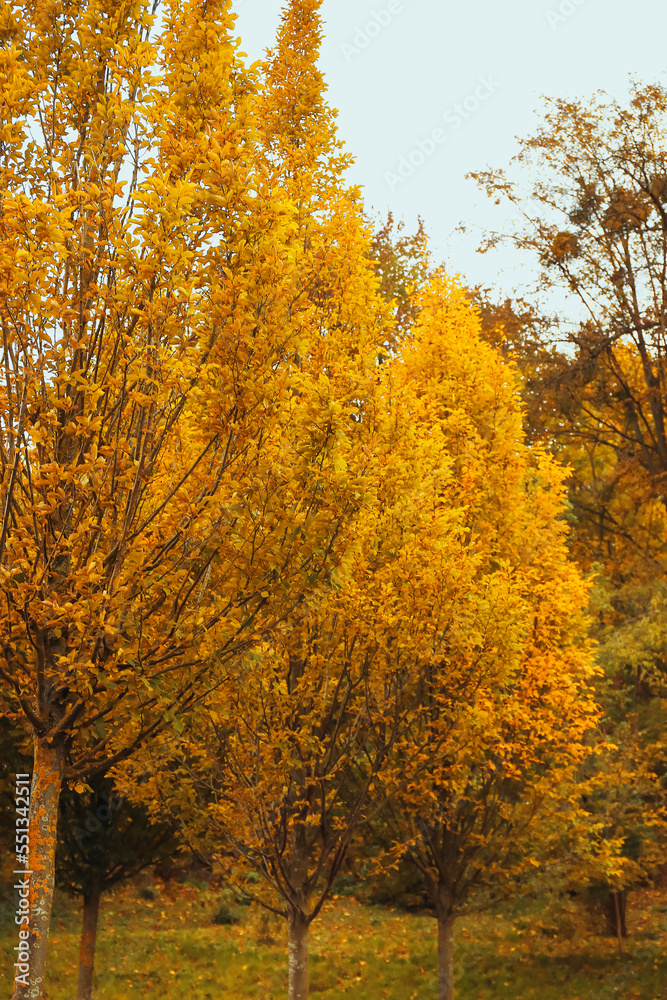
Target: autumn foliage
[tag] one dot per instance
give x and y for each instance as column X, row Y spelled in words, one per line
column 171, row 473
column 284, row 546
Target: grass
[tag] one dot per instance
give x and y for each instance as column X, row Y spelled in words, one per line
column 168, row 948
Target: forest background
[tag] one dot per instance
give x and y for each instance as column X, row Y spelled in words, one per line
column 318, row 564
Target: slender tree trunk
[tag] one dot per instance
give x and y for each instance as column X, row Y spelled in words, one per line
column 616, row 907
column 91, row 909
column 47, row 779
column 619, row 929
column 298, row 956
column 446, row 956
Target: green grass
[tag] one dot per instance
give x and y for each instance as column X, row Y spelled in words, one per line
column 168, row 948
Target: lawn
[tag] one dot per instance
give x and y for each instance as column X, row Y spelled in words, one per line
column 168, row 947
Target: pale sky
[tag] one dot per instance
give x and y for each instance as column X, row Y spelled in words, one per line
column 399, row 69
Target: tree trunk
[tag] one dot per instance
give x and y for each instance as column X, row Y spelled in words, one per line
column 446, row 956
column 91, row 909
column 47, row 779
column 616, row 910
column 298, row 956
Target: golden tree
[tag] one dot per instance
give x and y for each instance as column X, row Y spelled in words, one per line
column 343, row 321
column 170, row 477
column 508, row 698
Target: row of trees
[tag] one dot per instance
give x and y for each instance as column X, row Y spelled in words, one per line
column 440, row 682
column 275, row 550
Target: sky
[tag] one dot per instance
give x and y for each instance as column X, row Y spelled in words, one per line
column 472, row 74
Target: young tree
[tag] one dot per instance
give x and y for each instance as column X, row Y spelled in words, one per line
column 510, row 701
column 287, row 750
column 103, row 840
column 170, row 479
column 277, row 696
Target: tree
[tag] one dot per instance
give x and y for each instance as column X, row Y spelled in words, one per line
column 103, row 840
column 277, row 689
column 287, row 750
column 509, row 701
column 595, row 220
column 348, row 320
column 170, row 480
